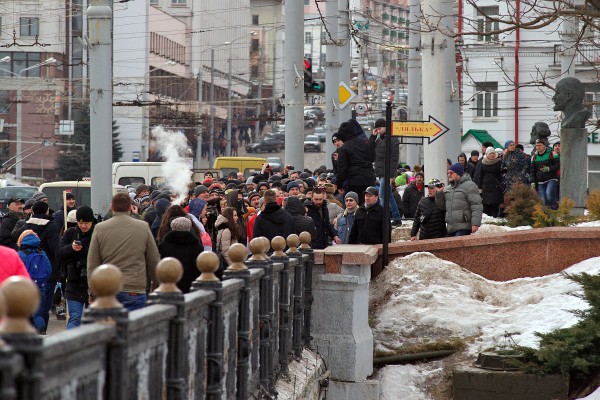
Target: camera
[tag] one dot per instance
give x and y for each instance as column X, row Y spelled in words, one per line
column 77, row 242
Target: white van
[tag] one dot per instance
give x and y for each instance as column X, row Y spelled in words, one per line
column 137, row 173
column 81, row 189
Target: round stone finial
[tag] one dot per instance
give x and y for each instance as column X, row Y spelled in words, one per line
column 237, row 255
column 106, row 282
column 278, row 244
column 293, row 241
column 22, row 299
column 305, row 239
column 256, row 248
column 266, row 245
column 208, row 263
column 168, row 272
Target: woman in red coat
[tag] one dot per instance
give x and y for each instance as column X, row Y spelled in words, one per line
column 11, row 264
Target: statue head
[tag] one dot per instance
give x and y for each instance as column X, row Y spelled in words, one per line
column 569, row 94
column 540, row 130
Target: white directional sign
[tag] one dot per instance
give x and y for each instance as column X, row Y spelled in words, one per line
column 346, row 95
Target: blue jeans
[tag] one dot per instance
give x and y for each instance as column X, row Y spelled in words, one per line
column 547, row 192
column 393, row 205
column 132, row 301
column 75, row 311
column 461, row 232
column 40, row 317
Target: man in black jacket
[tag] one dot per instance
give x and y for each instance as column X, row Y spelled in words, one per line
column 355, row 161
column 273, row 220
column 368, row 220
column 412, row 195
column 302, row 222
column 430, row 220
column 317, row 210
column 377, row 142
column 15, row 214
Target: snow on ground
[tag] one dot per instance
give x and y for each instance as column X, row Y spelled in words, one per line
column 421, row 298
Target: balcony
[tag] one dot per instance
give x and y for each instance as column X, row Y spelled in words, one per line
column 587, row 55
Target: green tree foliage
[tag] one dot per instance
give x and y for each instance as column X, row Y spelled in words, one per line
column 573, row 351
column 519, row 211
column 544, row 217
column 74, row 162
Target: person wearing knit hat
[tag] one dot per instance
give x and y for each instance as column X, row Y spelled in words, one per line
column 250, row 211
column 508, row 143
column 293, row 188
column 85, row 214
column 181, row 224
column 181, row 243
column 458, row 168
column 346, row 131
column 201, row 192
column 253, row 199
column 142, row 190
column 39, row 196
column 462, row 202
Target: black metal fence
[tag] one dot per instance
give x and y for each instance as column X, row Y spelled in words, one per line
column 229, row 339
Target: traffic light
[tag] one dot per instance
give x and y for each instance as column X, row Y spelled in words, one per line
column 308, row 82
column 318, row 87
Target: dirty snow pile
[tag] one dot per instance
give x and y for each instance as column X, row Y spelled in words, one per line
column 421, row 298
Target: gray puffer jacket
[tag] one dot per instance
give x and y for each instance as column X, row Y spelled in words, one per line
column 462, row 203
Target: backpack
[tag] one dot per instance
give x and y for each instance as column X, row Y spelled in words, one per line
column 38, row 265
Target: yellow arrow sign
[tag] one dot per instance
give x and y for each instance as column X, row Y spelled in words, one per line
column 345, row 95
column 422, row 129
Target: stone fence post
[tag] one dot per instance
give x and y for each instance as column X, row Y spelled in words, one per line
column 304, row 248
column 298, row 293
column 278, row 244
column 106, row 282
column 169, row 271
column 22, row 299
column 208, row 263
column 340, row 326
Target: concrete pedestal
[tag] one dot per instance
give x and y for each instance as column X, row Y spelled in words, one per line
column 573, row 167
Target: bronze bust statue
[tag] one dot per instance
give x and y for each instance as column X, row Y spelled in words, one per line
column 569, row 99
column 540, row 130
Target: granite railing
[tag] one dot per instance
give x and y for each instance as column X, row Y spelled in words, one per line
column 229, row 339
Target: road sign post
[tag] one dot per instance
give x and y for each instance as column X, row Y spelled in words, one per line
column 346, row 95
column 419, row 129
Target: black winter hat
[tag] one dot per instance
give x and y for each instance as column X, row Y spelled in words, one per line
column 346, row 131
column 85, row 214
column 380, row 123
column 40, row 207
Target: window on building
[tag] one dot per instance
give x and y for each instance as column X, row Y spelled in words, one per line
column 254, row 45
column 4, row 102
column 322, row 61
column 486, row 25
column 29, row 26
column 18, row 62
column 154, row 2
column 592, row 102
column 306, row 2
column 486, row 99
column 307, row 37
column 254, row 72
column 178, row 2
column 323, row 35
column 255, row 19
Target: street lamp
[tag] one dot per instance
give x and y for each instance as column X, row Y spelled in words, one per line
column 146, row 110
column 19, row 167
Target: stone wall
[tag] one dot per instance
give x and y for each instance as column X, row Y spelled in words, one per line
column 510, row 255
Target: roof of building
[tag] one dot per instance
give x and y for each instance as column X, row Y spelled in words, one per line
column 481, row 136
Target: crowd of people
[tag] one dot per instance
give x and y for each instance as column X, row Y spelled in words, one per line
column 342, row 205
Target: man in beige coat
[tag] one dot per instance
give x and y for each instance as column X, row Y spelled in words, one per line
column 128, row 244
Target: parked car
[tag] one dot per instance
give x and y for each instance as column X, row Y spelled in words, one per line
column 275, row 163
column 20, row 192
column 276, row 135
column 312, row 143
column 320, row 133
column 316, row 110
column 265, row 145
column 309, row 120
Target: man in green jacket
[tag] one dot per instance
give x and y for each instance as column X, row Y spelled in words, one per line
column 128, row 244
